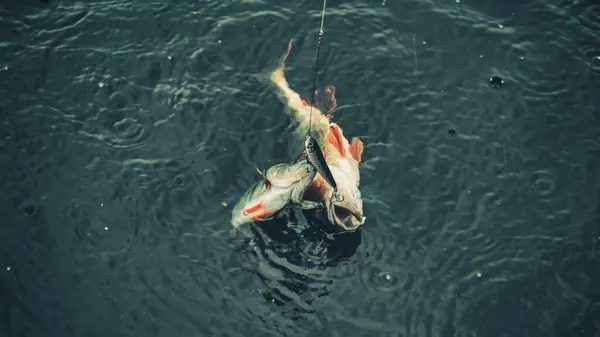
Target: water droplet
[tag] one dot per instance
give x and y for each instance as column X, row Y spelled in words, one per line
column 224, row 204
column 424, row 42
column 500, row 26
column 457, row 1
column 478, row 274
column 8, row 268
column 101, row 84
column 5, row 68
column 169, row 57
column 597, row 58
column 105, row 228
column 219, row 41
column 521, row 57
column 481, row 56
column 496, row 81
column 101, row 204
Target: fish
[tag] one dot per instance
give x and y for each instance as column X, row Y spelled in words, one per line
column 316, row 158
column 341, row 156
column 280, row 185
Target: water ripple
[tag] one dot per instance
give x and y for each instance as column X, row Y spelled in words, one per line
column 543, row 183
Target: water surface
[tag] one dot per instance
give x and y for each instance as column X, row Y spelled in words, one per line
column 130, row 129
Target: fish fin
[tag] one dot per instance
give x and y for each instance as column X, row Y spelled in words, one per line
column 253, row 208
column 266, row 181
column 262, row 216
column 287, row 53
column 325, row 99
column 293, row 99
column 356, row 149
column 335, row 138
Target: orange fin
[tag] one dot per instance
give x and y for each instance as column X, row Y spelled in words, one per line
column 335, row 138
column 253, row 208
column 262, row 215
column 325, row 99
column 304, row 102
column 356, row 149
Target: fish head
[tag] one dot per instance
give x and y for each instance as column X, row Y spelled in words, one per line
column 259, row 203
column 345, row 208
column 273, row 192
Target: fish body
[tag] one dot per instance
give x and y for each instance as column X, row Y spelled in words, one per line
column 341, row 156
column 280, row 185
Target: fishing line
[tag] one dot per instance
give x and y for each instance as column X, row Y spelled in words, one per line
column 312, row 100
column 313, row 150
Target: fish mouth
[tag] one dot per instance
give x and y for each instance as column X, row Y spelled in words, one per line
column 346, row 218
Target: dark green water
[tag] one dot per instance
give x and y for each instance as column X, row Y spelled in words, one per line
column 129, row 129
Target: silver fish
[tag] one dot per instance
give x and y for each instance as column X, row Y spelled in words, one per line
column 280, row 185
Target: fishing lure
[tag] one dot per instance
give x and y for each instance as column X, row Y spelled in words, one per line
column 315, row 157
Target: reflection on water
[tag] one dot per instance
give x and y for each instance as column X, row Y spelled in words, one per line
column 129, row 130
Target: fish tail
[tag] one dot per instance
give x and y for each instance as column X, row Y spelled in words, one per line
column 299, row 108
